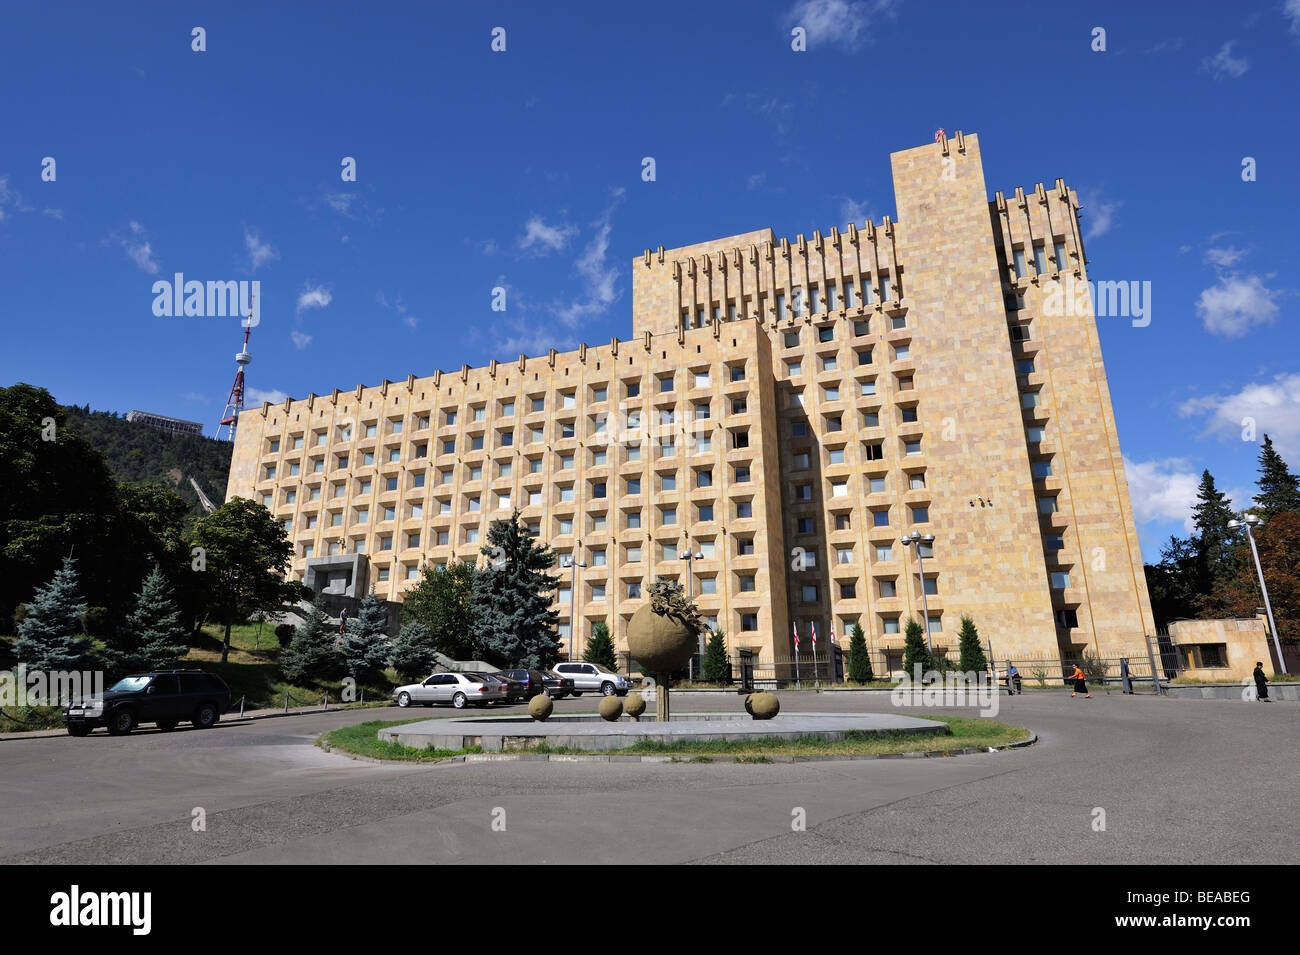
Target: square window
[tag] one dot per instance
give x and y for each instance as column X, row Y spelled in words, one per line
column 633, row 389
column 809, row 593
column 915, row 482
column 880, row 518
column 836, row 455
column 744, row 509
column 746, row 583
column 744, row 546
column 748, row 621
column 826, row 334
column 706, row 512
column 742, row 474
column 920, row 515
column 633, row 520
column 538, row 404
column 804, row 525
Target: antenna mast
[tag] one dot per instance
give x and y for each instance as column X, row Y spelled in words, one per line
column 235, row 403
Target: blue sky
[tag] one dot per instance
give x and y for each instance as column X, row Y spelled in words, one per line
column 522, row 169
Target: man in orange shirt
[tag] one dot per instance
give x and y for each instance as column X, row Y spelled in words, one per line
column 1079, row 685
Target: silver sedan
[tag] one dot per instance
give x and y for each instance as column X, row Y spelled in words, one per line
column 458, row 689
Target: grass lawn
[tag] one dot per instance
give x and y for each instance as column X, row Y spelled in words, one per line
column 960, row 733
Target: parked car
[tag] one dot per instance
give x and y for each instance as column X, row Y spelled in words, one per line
column 533, row 681
column 557, row 686
column 458, row 689
column 165, row 698
column 593, row 678
column 515, row 690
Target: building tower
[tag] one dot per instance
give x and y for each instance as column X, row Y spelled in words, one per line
column 235, row 403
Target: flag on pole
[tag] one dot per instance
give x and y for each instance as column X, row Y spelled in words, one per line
column 796, row 638
column 832, row 631
column 814, row 636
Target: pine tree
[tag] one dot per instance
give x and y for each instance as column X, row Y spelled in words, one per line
column 1217, row 558
column 415, row 650
column 1279, row 489
column 600, row 648
column 365, row 646
column 157, row 636
column 971, row 658
column 49, row 638
column 512, row 598
column 312, row 654
column 859, row 658
column 915, row 650
column 716, row 667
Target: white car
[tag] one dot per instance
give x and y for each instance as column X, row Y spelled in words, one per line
column 458, row 689
column 594, row 678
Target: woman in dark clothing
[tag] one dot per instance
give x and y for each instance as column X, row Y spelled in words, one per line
column 1079, row 685
column 1261, row 683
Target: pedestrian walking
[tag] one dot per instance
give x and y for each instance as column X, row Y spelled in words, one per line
column 1013, row 680
column 1261, row 683
column 343, row 620
column 1079, row 685
column 1124, row 677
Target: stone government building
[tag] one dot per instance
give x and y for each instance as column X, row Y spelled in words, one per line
column 786, row 409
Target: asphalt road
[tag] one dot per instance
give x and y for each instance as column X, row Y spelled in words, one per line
column 1179, row 781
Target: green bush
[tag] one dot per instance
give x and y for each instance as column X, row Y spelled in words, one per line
column 284, row 634
column 859, row 658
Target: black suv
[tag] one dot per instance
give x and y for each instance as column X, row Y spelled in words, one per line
column 162, row 697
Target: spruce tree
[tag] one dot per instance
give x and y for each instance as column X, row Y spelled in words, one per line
column 915, row 650
column 512, row 598
column 312, row 654
column 366, row 646
column 1279, row 489
column 971, row 658
column 154, row 634
column 716, row 667
column 600, row 648
column 859, row 658
column 49, row 637
column 1217, row 558
column 415, row 650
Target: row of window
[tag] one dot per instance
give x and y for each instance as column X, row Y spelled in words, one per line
column 817, row 299
column 1059, row 259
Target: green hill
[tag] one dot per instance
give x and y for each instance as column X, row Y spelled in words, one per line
column 137, row 453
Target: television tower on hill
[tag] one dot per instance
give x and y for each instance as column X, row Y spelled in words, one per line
column 235, row 403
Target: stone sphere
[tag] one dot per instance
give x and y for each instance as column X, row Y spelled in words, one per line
column 762, row 705
column 611, row 708
column 660, row 644
column 634, row 705
column 540, row 706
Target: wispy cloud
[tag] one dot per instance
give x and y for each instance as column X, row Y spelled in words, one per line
column 409, row 320
column 300, row 339
column 1235, row 304
column 313, row 296
column 53, row 213
column 11, row 198
column 1100, row 213
column 1172, row 44
column 847, row 25
column 137, row 247
column 853, row 211
column 257, row 395
column 1291, row 11
column 259, row 253
column 1223, row 65
column 1225, row 257
column 599, row 276
column 484, row 246
column 1272, row 407
column 543, row 239
column 1162, row 490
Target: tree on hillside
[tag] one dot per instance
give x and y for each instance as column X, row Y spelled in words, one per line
column 1278, row 543
column 1279, row 489
column 860, row 670
column 49, row 637
column 157, row 638
column 915, row 650
column 443, row 602
column 312, row 655
column 971, row 657
column 415, row 651
column 245, row 555
column 365, row 646
column 600, row 648
column 716, row 668
column 512, row 598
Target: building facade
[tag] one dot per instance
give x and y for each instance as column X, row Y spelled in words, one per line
column 164, row 423
column 785, row 412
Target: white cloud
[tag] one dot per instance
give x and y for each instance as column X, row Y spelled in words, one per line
column 756, row 181
column 1100, row 214
column 313, row 296
column 853, row 211
column 545, row 238
column 1162, row 490
column 53, row 213
column 1235, row 304
column 409, row 320
column 1291, row 10
column 599, row 276
column 300, row 339
column 257, row 395
column 1225, row 257
column 139, row 250
column 1259, row 408
column 340, row 202
column 1223, row 65
column 838, row 22
column 259, row 252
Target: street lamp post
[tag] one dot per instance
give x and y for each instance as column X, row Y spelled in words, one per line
column 1249, row 522
column 918, row 540
column 690, row 558
column 574, row 564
